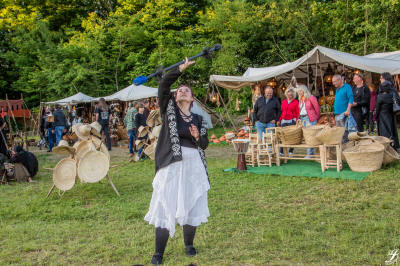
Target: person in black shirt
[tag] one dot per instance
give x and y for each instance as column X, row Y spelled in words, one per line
column 140, row 120
column 27, row 159
column 385, row 117
column 267, row 111
column 146, row 111
column 60, row 123
column 181, row 185
column 360, row 108
column 103, row 116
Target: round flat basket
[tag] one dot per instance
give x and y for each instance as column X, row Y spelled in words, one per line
column 390, row 155
column 93, row 166
column 103, row 148
column 83, row 147
column 64, row 174
column 310, row 133
column 365, row 158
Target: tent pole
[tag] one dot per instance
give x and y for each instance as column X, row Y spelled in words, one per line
column 226, row 110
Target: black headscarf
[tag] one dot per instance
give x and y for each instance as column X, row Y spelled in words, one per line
column 386, row 86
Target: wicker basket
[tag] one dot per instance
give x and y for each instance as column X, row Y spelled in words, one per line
column 310, row 133
column 390, row 155
column 331, row 135
column 290, row 135
column 382, row 140
column 365, row 158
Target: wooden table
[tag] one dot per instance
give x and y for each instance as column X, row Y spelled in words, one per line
column 322, row 157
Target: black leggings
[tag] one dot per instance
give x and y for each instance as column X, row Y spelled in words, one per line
column 162, row 235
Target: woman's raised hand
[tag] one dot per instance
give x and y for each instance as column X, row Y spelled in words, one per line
column 186, row 64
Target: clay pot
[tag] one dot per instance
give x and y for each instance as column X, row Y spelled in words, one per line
column 213, row 136
column 222, row 138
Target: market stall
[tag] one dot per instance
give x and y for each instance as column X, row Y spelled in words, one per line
column 315, row 69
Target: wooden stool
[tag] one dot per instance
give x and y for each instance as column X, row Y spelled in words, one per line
column 266, row 150
column 326, row 162
column 251, row 154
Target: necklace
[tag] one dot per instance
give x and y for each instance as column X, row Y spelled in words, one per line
column 185, row 117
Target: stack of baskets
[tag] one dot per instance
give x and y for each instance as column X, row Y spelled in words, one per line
column 366, row 153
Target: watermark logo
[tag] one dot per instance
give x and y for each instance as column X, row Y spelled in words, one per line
column 394, row 257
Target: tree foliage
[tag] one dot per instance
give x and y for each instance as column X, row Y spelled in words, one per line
column 52, row 49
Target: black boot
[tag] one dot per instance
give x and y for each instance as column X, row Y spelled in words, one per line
column 162, row 235
column 191, row 251
column 156, row 259
column 188, row 235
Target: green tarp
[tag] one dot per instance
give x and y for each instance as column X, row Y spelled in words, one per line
column 304, row 168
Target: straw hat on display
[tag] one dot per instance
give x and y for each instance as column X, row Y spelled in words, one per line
column 76, row 144
column 64, row 174
column 96, row 128
column 96, row 141
column 93, row 166
column 63, row 148
column 156, row 131
column 83, row 147
column 83, row 131
column 154, row 118
column 150, row 150
column 142, row 131
column 151, row 136
column 139, row 143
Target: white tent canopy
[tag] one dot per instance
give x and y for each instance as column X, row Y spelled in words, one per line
column 133, row 92
column 74, row 99
column 389, row 55
column 320, row 56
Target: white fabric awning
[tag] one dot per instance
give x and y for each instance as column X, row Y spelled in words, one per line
column 133, row 93
column 321, row 55
column 389, row 55
column 74, row 99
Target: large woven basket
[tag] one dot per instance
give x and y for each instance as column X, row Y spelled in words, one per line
column 365, row 158
column 310, row 133
column 382, row 140
column 290, row 135
column 331, row 135
column 390, row 155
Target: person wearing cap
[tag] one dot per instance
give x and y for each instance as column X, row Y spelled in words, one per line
column 103, row 116
column 180, row 185
column 129, row 121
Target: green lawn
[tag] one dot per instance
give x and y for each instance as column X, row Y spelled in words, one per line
column 255, row 219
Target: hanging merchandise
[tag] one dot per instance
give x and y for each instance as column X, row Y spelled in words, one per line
column 237, row 107
column 218, row 102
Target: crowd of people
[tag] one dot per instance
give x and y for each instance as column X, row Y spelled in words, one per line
column 57, row 121
column 357, row 108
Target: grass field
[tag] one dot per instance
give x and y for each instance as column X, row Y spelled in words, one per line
column 255, row 219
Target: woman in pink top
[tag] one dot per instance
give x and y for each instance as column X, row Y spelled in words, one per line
column 308, row 109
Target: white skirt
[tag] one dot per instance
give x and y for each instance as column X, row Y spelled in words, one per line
column 180, row 193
